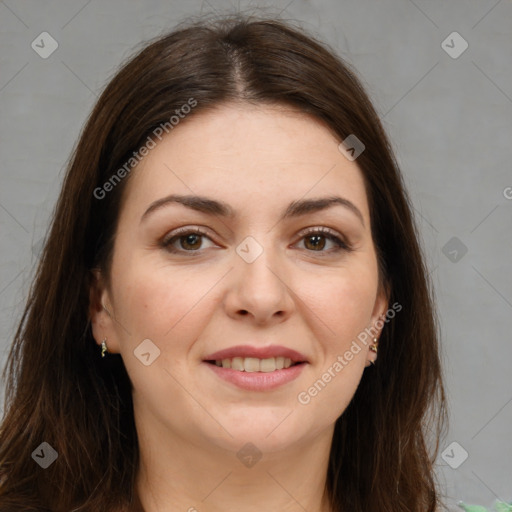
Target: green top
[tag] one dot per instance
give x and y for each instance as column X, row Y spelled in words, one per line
column 499, row 506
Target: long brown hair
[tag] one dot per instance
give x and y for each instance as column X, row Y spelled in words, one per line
column 60, row 391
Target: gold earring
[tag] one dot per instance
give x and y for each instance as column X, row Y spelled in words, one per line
column 104, row 347
column 373, row 348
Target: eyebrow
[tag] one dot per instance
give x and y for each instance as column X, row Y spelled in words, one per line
column 219, row 208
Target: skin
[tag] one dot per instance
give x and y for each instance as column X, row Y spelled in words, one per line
column 190, row 423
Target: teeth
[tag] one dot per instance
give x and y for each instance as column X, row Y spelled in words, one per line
column 253, row 364
column 237, row 363
column 268, row 365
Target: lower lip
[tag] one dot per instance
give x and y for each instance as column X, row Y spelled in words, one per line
column 258, row 381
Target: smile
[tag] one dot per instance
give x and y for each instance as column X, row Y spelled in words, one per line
column 255, row 378
column 253, row 364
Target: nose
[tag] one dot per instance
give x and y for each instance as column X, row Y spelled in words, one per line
column 259, row 291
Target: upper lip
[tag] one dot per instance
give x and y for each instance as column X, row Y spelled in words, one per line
column 257, row 352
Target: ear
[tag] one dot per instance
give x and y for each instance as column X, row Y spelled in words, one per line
column 101, row 312
column 377, row 323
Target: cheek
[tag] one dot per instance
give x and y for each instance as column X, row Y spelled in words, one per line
column 345, row 307
column 343, row 303
column 159, row 303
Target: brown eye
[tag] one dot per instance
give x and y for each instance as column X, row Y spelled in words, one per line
column 185, row 240
column 315, row 242
column 192, row 241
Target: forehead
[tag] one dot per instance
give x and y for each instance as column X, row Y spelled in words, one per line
column 248, row 155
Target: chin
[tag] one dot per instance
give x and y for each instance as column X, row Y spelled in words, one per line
column 266, row 433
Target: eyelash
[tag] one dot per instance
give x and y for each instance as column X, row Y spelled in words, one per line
column 326, row 232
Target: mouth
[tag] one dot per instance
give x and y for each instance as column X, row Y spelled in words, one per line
column 255, row 368
column 254, row 364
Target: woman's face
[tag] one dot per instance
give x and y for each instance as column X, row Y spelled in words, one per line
column 259, row 279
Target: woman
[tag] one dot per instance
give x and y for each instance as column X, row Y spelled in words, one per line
column 231, row 250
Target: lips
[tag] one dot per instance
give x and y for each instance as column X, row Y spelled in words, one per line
column 257, row 368
column 246, row 351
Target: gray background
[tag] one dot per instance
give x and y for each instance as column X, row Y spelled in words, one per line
column 450, row 120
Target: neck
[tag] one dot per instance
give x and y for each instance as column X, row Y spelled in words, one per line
column 176, row 475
